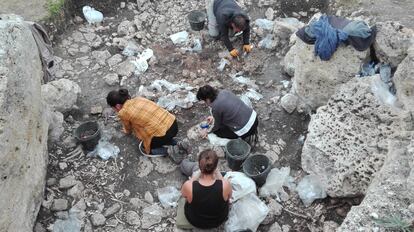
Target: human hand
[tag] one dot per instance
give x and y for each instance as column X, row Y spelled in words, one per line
column 204, row 133
column 234, row 53
column 247, row 48
column 210, row 120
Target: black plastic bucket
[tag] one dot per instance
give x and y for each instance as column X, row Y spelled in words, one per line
column 257, row 167
column 237, row 150
column 88, row 134
column 197, row 20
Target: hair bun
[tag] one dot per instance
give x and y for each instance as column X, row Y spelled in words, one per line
column 123, row 92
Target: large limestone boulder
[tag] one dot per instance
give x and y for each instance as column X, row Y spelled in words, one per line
column 390, row 194
column 392, row 42
column 61, row 95
column 315, row 81
column 23, row 128
column 347, row 140
column 404, row 81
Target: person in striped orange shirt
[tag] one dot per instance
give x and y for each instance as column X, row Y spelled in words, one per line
column 153, row 125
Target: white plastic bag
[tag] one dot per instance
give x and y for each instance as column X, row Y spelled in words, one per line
column 381, row 91
column 217, row 141
column 179, row 38
column 131, row 49
column 241, row 185
column 310, row 188
column 275, row 181
column 253, row 94
column 146, row 54
column 141, row 66
column 246, row 213
column 168, row 196
column 244, row 80
column 92, row 15
column 105, row 150
column 170, row 101
column 222, row 64
column 267, row 42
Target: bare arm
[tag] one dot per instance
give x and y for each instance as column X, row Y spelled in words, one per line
column 187, row 190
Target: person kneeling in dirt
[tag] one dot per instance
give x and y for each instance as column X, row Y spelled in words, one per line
column 206, row 194
column 232, row 118
column 153, row 125
column 226, row 15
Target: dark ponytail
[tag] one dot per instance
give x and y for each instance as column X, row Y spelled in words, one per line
column 117, row 97
column 208, row 161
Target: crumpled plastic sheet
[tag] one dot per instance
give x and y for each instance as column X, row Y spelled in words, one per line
column 241, row 185
column 171, row 87
column 72, row 223
column 217, row 141
column 253, row 94
column 275, row 181
column 266, row 42
column 92, row 15
column 381, row 91
column 105, row 149
column 244, row 80
column 309, row 189
column 195, row 46
column 222, row 64
column 141, row 65
column 168, row 196
column 170, row 101
column 246, row 213
column 146, row 54
column 179, row 38
column 264, row 24
column 131, row 49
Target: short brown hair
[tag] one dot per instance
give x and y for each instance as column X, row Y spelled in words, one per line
column 207, row 161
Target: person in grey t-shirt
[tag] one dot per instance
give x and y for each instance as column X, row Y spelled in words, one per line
column 232, row 118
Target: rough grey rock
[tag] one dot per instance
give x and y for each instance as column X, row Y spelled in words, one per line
column 98, row 219
column 151, row 215
column 67, row 182
column 111, row 79
column 56, row 128
column 275, row 227
column 330, row 226
column 289, row 102
column 23, row 127
column 315, row 81
column 112, row 210
column 61, row 94
column 125, row 68
column 114, row 60
column 39, row 228
column 270, row 13
column 76, row 190
column 283, row 29
column 347, row 140
column 138, row 203
column 101, row 56
column 404, row 81
column 126, row 28
column 132, row 218
column 60, row 204
column 288, row 62
column 148, row 197
column 392, row 41
column 390, row 193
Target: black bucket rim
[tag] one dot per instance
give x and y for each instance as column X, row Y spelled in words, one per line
column 196, row 11
column 252, row 157
column 91, row 136
column 243, row 157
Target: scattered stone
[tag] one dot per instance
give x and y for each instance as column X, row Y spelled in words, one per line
column 122, row 5
column 96, row 110
column 60, row 95
column 127, row 193
column 148, row 197
column 101, row 56
column 151, row 215
column 126, row 28
column 98, row 219
column 286, row 228
column 132, row 218
column 112, row 210
column 303, row 13
column 78, row 20
column 63, row 165
column 111, row 79
column 59, row 205
column 76, row 191
column 289, row 102
column 39, row 228
column 269, row 14
column 330, row 226
column 51, row 181
column 275, row 209
column 62, row 215
column 114, row 60
column 125, row 68
column 67, row 182
column 138, row 203
column 275, row 227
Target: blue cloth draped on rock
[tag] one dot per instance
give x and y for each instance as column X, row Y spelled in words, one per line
column 327, row 37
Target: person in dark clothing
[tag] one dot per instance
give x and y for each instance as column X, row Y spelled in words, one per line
column 207, row 197
column 232, row 118
column 226, row 15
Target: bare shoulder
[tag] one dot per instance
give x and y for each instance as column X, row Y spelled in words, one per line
column 226, row 184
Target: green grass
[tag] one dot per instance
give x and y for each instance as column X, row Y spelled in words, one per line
column 394, row 223
column 55, row 7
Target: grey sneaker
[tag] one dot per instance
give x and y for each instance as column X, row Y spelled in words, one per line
column 176, row 154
